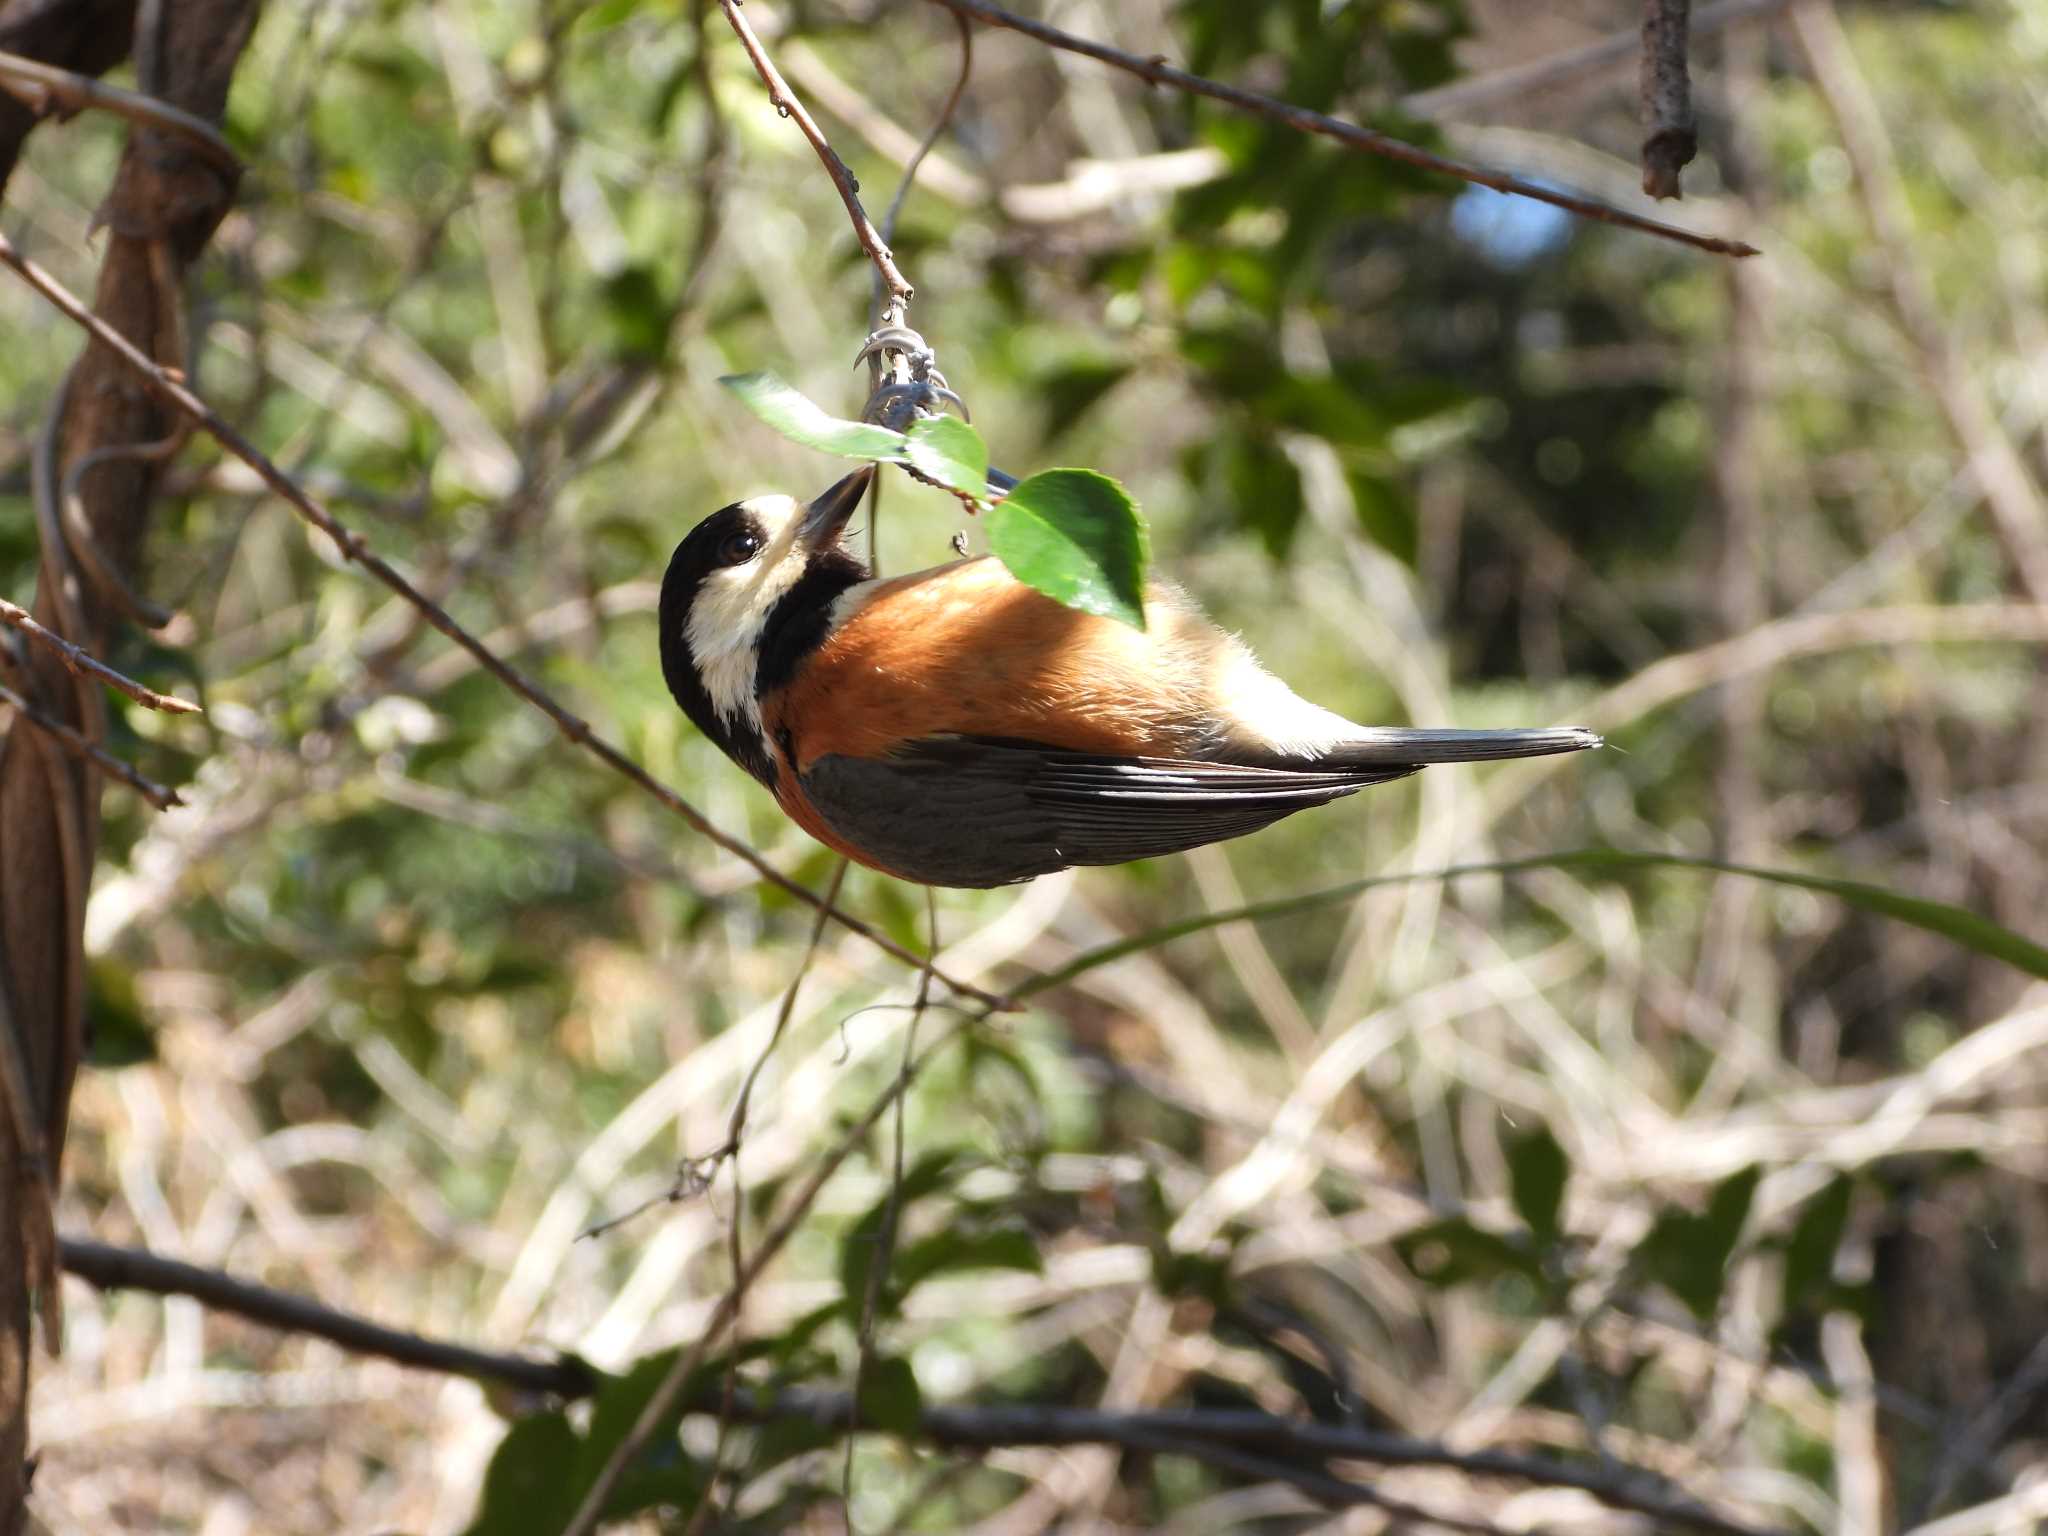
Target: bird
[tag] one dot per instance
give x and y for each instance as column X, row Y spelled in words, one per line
column 956, row 727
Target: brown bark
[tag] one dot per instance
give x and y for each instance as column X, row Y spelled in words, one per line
column 87, row 36
column 105, row 444
column 1670, row 136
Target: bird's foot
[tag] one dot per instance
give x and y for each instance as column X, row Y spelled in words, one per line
column 897, row 401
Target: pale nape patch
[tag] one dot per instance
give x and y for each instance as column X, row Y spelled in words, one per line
column 732, row 606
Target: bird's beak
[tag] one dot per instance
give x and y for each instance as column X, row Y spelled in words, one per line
column 826, row 518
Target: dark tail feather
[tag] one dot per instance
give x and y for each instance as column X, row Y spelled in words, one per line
column 1402, row 746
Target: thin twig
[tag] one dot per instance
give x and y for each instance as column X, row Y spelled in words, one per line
column 695, row 1174
column 736, row 1230
column 136, row 1269
column 41, row 87
column 1670, row 135
column 917, row 157
column 785, row 102
column 82, row 746
column 1351, row 135
column 669, row 1393
column 354, row 548
column 1539, row 75
column 892, row 1210
column 79, row 662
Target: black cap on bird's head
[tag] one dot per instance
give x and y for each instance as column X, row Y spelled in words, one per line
column 748, row 594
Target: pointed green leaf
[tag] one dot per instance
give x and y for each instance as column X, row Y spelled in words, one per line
column 1690, row 1254
column 1455, row 1252
column 1810, row 1251
column 955, row 1248
column 1537, row 1170
column 529, row 1488
column 801, row 421
column 888, row 1396
column 637, row 313
column 1075, row 536
column 950, row 452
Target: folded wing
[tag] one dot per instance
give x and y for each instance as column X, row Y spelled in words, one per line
column 970, row 811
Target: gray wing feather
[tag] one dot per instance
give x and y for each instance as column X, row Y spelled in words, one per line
column 973, row 812
column 1415, row 747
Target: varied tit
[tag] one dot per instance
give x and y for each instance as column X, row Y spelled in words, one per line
column 956, row 727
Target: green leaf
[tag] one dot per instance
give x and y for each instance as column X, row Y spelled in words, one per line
column 1387, row 515
column 957, row 1248
column 1537, row 1171
column 1455, row 1252
column 117, row 1034
column 529, row 1486
column 931, row 1173
column 1810, row 1250
column 798, row 419
column 1070, row 393
column 1690, row 1254
column 950, row 452
column 1728, row 1208
column 888, row 1397
column 637, row 314
column 1967, row 928
column 1075, row 536
column 784, row 1439
column 1264, row 488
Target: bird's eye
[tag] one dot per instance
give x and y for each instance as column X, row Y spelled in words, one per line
column 739, row 548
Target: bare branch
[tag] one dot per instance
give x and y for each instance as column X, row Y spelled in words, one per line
column 85, row 748
column 352, row 547
column 43, row 88
column 1290, row 1450
column 1350, row 135
column 111, row 1268
column 1539, row 75
column 785, row 102
column 1670, row 134
column 79, row 662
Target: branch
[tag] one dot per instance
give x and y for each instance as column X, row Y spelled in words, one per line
column 1350, row 135
column 43, row 88
column 1670, row 135
column 136, row 1269
column 1292, row 1450
column 1538, row 75
column 352, row 547
column 785, row 102
column 84, row 747
column 79, row 662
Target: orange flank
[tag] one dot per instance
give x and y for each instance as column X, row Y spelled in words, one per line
column 969, row 649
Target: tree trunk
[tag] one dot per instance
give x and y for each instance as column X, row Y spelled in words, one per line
column 103, row 448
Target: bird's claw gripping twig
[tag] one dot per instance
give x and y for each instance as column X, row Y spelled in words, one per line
column 899, row 399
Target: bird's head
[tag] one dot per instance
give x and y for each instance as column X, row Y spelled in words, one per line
column 748, row 594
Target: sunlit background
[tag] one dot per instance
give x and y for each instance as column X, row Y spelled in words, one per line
column 413, row 991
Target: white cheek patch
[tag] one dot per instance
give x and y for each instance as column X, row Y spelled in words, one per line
column 731, row 610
